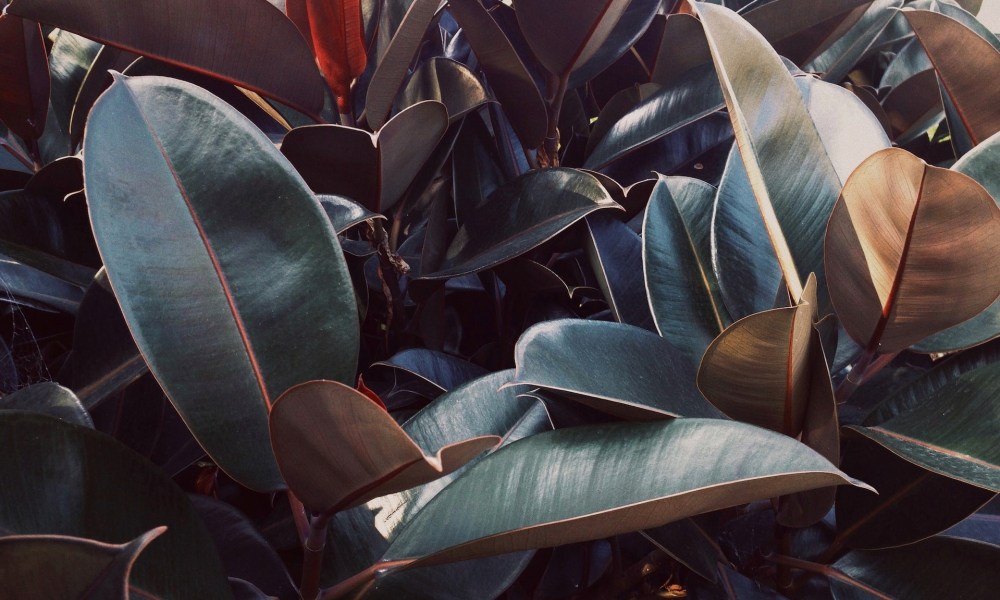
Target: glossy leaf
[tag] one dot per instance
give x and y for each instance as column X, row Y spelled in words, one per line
column 57, row 566
column 344, row 213
column 687, row 468
column 799, row 30
column 70, row 57
column 185, row 240
column 693, row 97
column 24, row 77
column 337, row 449
column 394, row 64
column 42, row 280
column 250, row 44
column 947, row 434
column 335, row 31
column 899, row 249
column 630, row 26
column 960, row 57
column 615, row 253
column 66, row 480
column 979, row 164
column 937, row 567
column 594, row 362
column 442, row 370
column 51, row 399
column 519, row 216
column 481, row 407
column 506, row 74
column 770, row 143
column 683, row 291
column 912, row 503
column 913, row 106
column 448, row 82
column 371, row 169
column 837, row 61
column 98, row 78
column 566, row 33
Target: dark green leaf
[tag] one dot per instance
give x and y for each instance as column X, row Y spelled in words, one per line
column 51, row 399
column 565, row 34
column 596, row 364
column 187, row 240
column 84, row 568
column 838, row 60
column 687, row 466
column 67, row 480
column 24, row 76
column 683, row 290
column 448, row 82
column 519, row 216
column 940, row 567
column 630, row 26
column 250, row 44
column 615, row 254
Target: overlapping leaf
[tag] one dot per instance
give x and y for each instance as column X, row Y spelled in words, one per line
column 204, row 284
column 24, row 77
column 566, row 33
column 248, row 43
column 337, row 449
column 904, row 260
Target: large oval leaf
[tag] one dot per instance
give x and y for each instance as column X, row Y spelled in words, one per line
column 566, row 33
column 961, row 57
column 337, row 448
column 687, row 467
column 940, row 567
column 67, row 480
column 205, row 284
column 911, row 249
column 87, row 568
column 48, row 398
column 980, row 164
column 519, row 216
column 800, row 30
column 249, row 43
column 683, row 291
column 619, row 369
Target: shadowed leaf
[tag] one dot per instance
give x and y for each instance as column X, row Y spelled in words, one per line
column 449, row 82
column 335, row 32
column 24, row 77
column 58, row 566
column 247, row 43
column 50, row 399
column 566, row 33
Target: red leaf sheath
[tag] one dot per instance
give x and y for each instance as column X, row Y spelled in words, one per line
column 335, row 30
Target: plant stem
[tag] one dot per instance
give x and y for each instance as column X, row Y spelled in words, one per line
column 826, row 571
column 300, row 517
column 548, row 155
column 312, row 550
column 359, row 580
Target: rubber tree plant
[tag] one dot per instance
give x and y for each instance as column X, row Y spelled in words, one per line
column 478, row 299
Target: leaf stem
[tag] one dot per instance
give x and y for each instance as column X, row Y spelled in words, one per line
column 548, row 155
column 300, row 517
column 359, row 580
column 312, row 551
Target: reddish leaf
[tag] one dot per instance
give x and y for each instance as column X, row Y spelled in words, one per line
column 24, row 77
column 335, row 30
column 370, row 393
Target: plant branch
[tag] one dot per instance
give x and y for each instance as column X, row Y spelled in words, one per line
column 300, row 517
column 360, row 580
column 548, row 155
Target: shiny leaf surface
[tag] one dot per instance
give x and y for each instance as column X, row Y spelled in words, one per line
column 337, row 449
column 335, row 32
column 51, row 399
column 519, row 216
column 687, row 467
column 595, row 364
column 448, row 82
column 899, row 249
column 185, row 241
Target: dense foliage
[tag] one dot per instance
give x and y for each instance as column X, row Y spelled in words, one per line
column 469, row 299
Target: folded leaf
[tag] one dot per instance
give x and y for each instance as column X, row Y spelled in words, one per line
column 337, row 448
column 911, row 249
column 681, row 468
column 448, row 82
column 204, row 283
column 335, row 31
column 247, row 43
